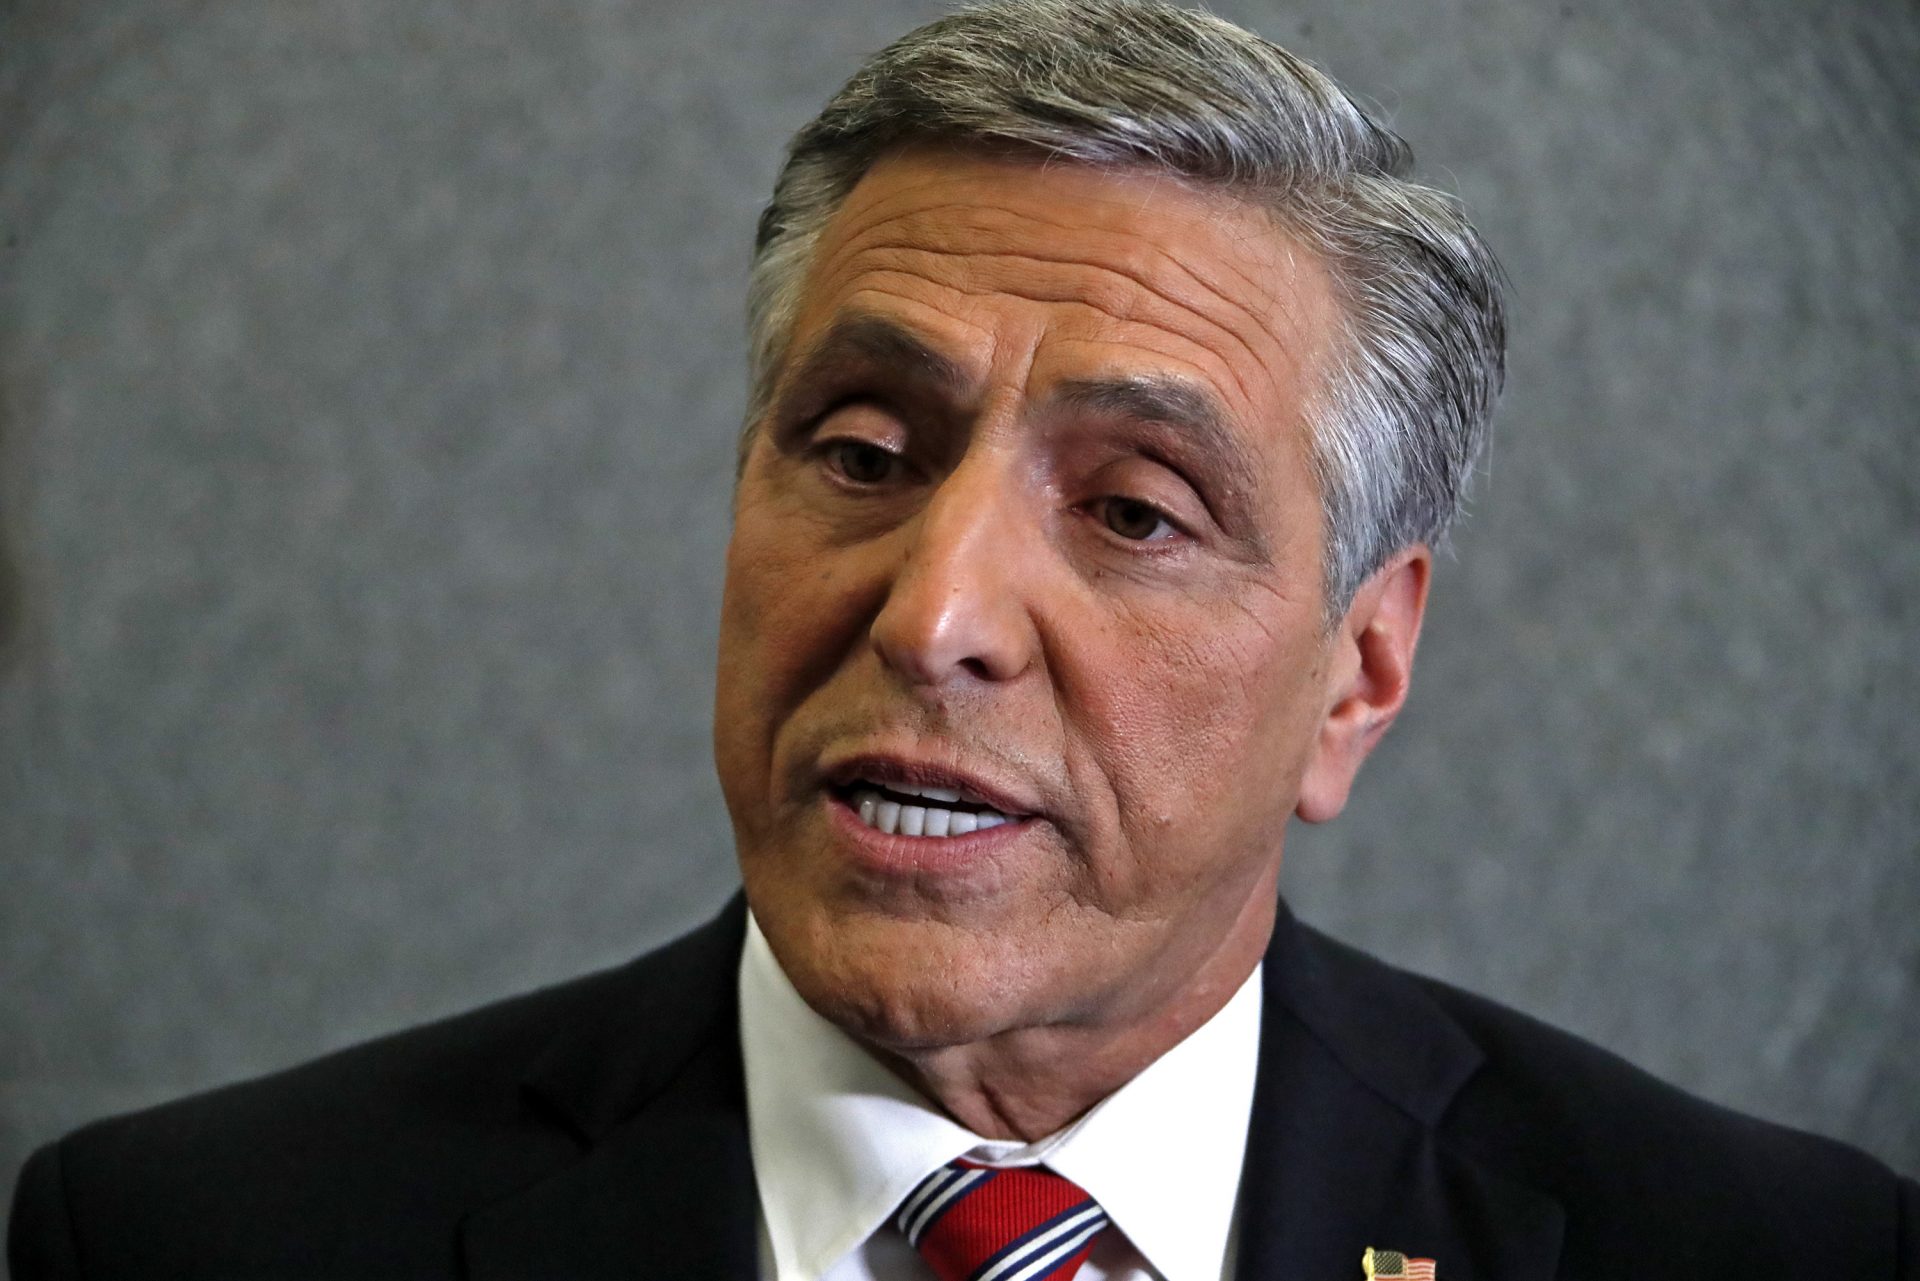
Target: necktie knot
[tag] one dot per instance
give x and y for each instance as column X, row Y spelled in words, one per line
column 974, row 1223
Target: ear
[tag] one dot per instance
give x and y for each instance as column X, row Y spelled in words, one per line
column 1369, row 668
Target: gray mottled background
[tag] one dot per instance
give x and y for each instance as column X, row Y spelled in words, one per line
column 367, row 380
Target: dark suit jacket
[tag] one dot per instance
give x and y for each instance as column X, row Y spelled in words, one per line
column 598, row 1129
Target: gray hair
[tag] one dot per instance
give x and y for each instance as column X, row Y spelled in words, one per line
column 1138, row 84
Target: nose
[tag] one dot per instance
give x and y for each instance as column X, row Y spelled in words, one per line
column 957, row 606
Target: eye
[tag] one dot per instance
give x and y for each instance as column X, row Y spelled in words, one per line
column 1134, row 520
column 861, row 462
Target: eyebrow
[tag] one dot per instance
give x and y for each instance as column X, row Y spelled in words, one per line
column 863, row 341
column 1195, row 414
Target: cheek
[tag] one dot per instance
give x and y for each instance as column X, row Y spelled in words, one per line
column 772, row 592
column 759, row 641
column 1199, row 721
column 789, row 620
column 794, row 611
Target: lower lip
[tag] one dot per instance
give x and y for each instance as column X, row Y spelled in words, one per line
column 896, row 854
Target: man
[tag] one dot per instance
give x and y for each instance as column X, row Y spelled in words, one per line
column 1111, row 389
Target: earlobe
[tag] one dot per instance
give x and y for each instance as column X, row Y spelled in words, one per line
column 1370, row 668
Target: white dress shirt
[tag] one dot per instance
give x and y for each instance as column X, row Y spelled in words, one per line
column 839, row 1141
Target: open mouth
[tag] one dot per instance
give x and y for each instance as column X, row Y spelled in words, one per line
column 903, row 809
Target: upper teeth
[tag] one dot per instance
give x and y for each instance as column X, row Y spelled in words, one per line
column 892, row 817
column 931, row 793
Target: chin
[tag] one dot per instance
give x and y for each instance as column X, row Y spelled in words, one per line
column 902, row 984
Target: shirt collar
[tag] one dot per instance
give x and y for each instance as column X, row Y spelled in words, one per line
column 839, row 1141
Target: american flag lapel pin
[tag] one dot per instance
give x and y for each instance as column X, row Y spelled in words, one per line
column 1391, row 1265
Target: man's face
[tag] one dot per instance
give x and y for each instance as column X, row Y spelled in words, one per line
column 1030, row 522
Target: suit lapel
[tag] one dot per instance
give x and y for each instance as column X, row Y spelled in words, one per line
column 650, row 1085
column 1345, row 1148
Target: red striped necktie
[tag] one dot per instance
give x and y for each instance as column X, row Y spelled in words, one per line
column 972, row 1223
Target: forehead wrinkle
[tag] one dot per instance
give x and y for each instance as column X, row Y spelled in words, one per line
column 1133, row 257
column 1109, row 308
column 1206, row 365
column 1258, row 227
column 1267, row 232
column 1302, row 346
column 1258, row 222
